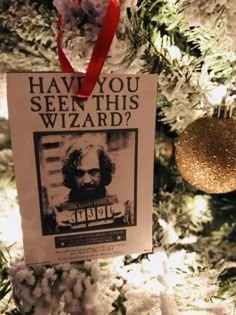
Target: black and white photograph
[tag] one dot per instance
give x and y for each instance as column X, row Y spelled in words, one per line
column 86, row 180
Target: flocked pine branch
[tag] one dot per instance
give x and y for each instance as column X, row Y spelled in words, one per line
column 197, row 231
column 6, row 159
column 7, row 303
column 28, row 41
column 189, row 60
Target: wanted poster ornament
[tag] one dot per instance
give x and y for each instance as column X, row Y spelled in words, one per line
column 84, row 169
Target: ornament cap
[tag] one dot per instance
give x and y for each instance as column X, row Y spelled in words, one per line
column 224, row 111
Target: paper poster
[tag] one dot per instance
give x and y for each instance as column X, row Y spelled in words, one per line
column 84, row 170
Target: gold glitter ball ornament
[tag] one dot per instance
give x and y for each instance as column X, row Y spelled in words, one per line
column 206, row 154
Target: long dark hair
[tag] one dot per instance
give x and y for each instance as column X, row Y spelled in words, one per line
column 75, row 153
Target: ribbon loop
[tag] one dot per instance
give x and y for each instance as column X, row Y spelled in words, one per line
column 100, row 52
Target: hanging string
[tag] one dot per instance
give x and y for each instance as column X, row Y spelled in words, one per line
column 100, row 52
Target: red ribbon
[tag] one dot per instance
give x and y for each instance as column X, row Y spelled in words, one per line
column 100, row 51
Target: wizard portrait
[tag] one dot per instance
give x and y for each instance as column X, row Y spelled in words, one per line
column 87, row 180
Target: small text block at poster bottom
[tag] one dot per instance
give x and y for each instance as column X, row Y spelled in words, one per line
column 90, row 238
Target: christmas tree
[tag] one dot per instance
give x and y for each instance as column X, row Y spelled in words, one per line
column 191, row 46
